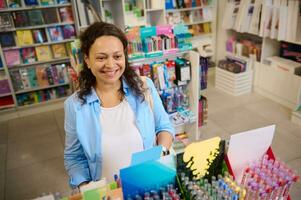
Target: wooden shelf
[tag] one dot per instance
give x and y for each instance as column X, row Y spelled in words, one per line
column 34, row 7
column 38, row 26
column 53, row 61
column 198, row 22
column 154, row 9
column 40, row 88
column 187, row 9
column 6, row 94
column 38, row 44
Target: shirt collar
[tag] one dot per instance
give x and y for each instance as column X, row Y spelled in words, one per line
column 93, row 95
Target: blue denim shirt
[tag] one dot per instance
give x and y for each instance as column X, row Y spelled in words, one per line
column 82, row 155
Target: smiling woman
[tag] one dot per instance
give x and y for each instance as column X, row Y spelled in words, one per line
column 108, row 119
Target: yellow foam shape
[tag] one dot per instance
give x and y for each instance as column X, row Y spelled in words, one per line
column 199, row 155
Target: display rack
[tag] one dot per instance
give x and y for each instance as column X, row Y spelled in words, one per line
column 35, row 45
column 275, row 83
column 190, row 127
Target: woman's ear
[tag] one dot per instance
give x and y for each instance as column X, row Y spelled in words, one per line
column 87, row 60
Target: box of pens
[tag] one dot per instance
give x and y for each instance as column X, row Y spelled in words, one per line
column 152, row 44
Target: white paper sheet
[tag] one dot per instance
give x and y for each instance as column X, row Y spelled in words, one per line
column 248, row 146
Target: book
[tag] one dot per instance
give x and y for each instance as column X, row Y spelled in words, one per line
column 12, row 57
column 20, row 18
column 24, row 37
column 7, row 39
column 2, row 4
column 50, row 16
column 66, row 14
column 59, row 51
column 5, row 21
column 31, row 2
column 4, row 85
column 68, row 31
column 63, row 1
column 32, row 77
column 16, row 80
column 47, row 2
column 28, row 55
column 35, row 17
column 14, row 3
column 24, row 78
column 43, row 53
column 39, row 36
column 54, row 73
column 55, row 33
column 42, row 76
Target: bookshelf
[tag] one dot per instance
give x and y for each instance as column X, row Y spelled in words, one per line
column 278, row 80
column 35, row 45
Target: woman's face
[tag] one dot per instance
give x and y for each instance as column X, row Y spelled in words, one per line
column 106, row 59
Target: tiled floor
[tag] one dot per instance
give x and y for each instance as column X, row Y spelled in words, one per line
column 31, row 148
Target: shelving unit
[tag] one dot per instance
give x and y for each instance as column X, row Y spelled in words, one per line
column 35, row 55
column 276, row 83
column 192, row 86
column 296, row 114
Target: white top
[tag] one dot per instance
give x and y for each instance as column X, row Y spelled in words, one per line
column 120, row 138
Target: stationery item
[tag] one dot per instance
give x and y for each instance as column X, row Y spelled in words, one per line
column 7, row 39
column 68, row 31
column 24, row 37
column 42, row 76
column 39, row 36
column 24, row 78
column 14, row 3
column 21, row 18
column 55, row 33
column 12, row 57
column 5, row 21
column 35, row 17
column 2, row 4
column 59, row 51
column 66, row 14
column 31, row 2
column 43, row 53
column 28, row 55
column 16, row 80
column 32, row 77
column 50, row 16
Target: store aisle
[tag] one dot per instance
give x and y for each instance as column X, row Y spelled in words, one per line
column 31, row 148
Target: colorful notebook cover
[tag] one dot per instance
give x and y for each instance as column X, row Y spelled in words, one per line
column 5, row 21
column 7, row 39
column 68, row 31
column 32, row 76
column 42, row 76
column 50, row 16
column 12, row 57
column 35, row 17
column 28, row 55
column 31, row 2
column 66, row 14
column 24, row 37
column 46, row 2
column 59, row 51
column 14, row 3
column 55, row 33
column 16, row 80
column 39, row 36
column 20, row 19
column 43, row 53
column 24, row 78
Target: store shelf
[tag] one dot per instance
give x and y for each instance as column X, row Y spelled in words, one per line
column 157, row 59
column 198, row 22
column 6, row 94
column 51, row 101
column 53, row 61
column 38, row 26
column 154, row 9
column 40, row 88
column 35, row 7
column 39, row 44
column 187, row 9
column 7, row 106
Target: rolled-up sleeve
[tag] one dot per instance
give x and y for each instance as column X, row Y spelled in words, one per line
column 75, row 160
column 162, row 122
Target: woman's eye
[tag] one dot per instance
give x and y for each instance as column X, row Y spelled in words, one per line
column 118, row 57
column 100, row 58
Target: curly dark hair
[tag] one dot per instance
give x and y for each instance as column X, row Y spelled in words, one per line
column 87, row 80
